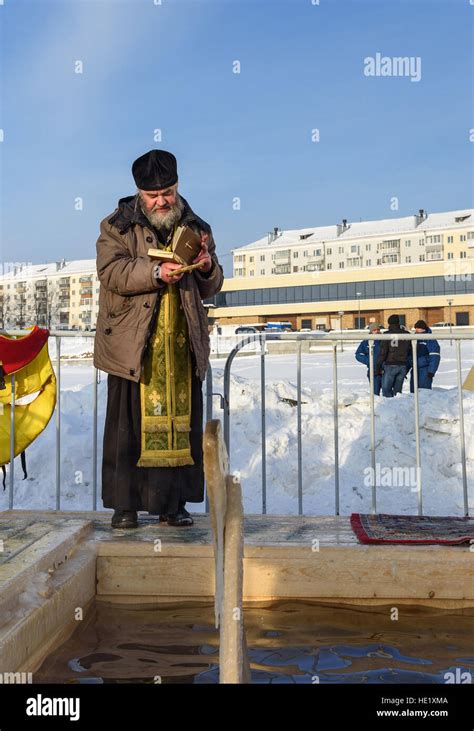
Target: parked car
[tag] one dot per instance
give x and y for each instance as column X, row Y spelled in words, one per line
column 278, row 327
column 245, row 329
column 444, row 324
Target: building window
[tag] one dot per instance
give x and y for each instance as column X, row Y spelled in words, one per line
column 262, row 257
column 408, row 259
column 295, row 255
column 295, row 269
column 305, row 253
column 422, row 257
column 462, row 255
column 353, row 249
column 408, row 242
column 462, row 237
column 389, row 244
column 329, row 251
column 262, row 271
column 329, row 266
column 341, row 265
column 368, row 263
column 341, row 249
column 470, row 235
column 450, row 239
column 462, row 318
column 251, row 259
column 450, row 255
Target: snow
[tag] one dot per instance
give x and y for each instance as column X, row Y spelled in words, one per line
column 394, row 429
column 405, row 225
column 23, row 271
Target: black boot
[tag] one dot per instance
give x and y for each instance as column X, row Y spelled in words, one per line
column 182, row 517
column 124, row 519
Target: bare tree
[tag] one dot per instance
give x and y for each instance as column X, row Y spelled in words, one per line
column 40, row 302
column 3, row 308
column 55, row 301
column 18, row 310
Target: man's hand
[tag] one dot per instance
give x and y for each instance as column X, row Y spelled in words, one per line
column 204, row 255
column 166, row 268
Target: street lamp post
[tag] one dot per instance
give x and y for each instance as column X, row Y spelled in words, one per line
column 358, row 299
column 450, row 302
column 340, row 313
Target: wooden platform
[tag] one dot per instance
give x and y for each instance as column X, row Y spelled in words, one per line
column 284, row 557
column 53, row 565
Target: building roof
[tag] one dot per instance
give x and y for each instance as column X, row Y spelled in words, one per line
column 38, row 271
column 386, row 226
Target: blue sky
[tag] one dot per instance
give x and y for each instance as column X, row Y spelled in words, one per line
column 246, row 135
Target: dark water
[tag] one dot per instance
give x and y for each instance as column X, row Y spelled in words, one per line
column 289, row 642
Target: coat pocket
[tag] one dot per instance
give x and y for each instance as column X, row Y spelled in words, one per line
column 116, row 305
column 121, row 317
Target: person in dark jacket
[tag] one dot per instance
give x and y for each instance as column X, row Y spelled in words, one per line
column 362, row 355
column 392, row 360
column 428, row 356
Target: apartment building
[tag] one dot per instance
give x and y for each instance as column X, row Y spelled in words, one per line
column 60, row 296
column 423, row 237
column 346, row 276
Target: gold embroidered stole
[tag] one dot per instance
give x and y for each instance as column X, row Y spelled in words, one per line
column 165, row 387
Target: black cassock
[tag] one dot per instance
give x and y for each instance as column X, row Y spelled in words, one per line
column 154, row 489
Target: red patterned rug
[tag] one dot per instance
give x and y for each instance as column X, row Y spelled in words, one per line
column 419, row 529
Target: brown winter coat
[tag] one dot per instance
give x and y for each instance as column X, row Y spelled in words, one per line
column 129, row 294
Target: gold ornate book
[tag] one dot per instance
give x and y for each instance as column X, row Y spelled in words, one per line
column 185, row 246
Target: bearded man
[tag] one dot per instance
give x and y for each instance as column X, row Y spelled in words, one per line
column 152, row 339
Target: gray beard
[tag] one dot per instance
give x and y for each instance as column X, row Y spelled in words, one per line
column 164, row 220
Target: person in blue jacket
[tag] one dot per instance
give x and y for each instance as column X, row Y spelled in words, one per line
column 362, row 355
column 428, row 357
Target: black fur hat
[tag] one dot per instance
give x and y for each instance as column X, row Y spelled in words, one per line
column 155, row 170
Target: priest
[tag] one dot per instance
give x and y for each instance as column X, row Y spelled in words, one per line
column 152, row 338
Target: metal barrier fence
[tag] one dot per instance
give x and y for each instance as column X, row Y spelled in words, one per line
column 58, row 335
column 334, row 339
column 261, row 338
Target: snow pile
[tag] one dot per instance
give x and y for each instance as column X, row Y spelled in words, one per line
column 394, row 440
column 394, row 432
